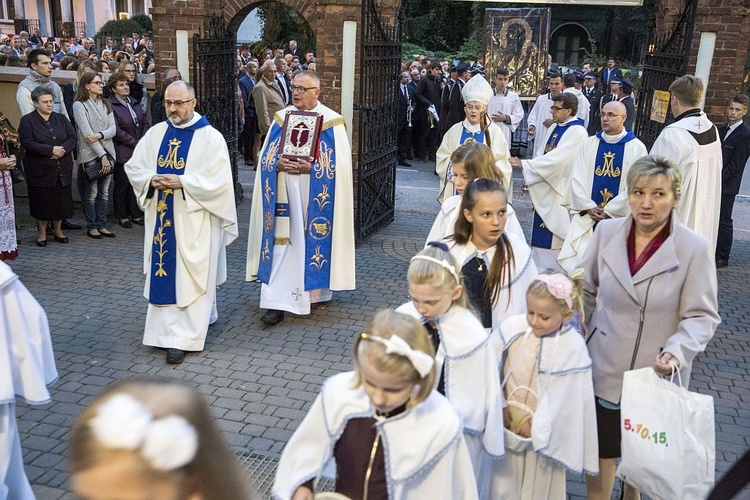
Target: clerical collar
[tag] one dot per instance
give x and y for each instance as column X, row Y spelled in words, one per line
column 688, row 114
column 612, row 139
column 569, row 120
column 192, row 121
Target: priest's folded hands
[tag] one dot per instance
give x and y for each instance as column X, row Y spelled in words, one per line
column 166, row 181
column 294, row 166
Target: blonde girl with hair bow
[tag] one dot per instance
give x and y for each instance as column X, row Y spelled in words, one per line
column 381, row 430
column 466, row 361
column 550, row 418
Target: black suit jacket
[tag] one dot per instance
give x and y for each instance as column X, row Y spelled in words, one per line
column 735, row 151
column 455, row 112
column 403, row 103
column 629, row 102
column 595, row 113
column 427, row 93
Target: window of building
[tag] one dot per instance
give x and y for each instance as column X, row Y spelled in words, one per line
column 129, row 8
column 7, row 9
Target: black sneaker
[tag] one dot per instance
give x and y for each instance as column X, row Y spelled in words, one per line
column 272, row 317
column 175, row 356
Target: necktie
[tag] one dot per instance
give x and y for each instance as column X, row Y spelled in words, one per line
column 406, row 94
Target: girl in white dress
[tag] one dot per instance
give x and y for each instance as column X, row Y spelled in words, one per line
column 550, row 417
column 381, row 430
column 472, row 160
column 497, row 266
column 466, row 360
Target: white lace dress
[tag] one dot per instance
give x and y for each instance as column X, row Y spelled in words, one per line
column 8, row 243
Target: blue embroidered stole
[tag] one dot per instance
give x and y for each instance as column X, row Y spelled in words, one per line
column 172, row 157
column 319, row 228
column 466, row 136
column 541, row 237
column 608, row 169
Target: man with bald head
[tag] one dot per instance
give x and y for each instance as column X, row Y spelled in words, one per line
column 598, row 188
column 301, row 244
column 182, row 177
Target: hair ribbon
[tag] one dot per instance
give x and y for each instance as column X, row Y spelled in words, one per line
column 440, row 262
column 421, row 361
column 559, row 286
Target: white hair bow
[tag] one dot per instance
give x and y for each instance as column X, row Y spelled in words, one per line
column 421, row 361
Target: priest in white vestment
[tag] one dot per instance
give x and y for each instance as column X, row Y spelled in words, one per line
column 693, row 143
column 540, row 117
column 548, row 178
column 598, row 182
column 301, row 241
column 27, row 369
column 182, row 177
column 505, row 107
column 476, row 127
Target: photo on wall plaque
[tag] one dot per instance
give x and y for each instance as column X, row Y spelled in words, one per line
column 517, row 40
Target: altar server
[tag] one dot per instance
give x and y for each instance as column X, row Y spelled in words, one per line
column 505, row 107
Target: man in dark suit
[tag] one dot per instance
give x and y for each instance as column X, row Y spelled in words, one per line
column 452, row 103
column 406, row 95
column 293, row 49
column 247, row 135
column 594, row 95
column 610, row 74
column 735, row 149
column 625, row 96
column 427, row 97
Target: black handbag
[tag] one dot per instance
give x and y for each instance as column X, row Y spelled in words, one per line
column 93, row 168
column 17, row 174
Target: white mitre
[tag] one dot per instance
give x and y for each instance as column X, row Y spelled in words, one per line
column 477, row 89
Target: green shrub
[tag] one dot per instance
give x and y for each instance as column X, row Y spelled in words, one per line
column 117, row 29
column 144, row 23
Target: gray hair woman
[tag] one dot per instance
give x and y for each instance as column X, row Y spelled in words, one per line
column 653, row 282
column 96, row 128
column 49, row 141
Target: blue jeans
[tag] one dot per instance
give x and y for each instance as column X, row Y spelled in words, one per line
column 96, row 201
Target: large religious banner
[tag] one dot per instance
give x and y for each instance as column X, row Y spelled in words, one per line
column 516, row 39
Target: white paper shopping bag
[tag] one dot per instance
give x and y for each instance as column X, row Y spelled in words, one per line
column 668, row 443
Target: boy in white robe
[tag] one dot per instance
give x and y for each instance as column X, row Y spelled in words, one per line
column 505, row 107
column 200, row 195
column 540, row 117
column 27, row 368
column 692, row 142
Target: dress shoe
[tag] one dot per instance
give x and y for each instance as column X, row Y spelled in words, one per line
column 60, row 239
column 721, row 263
column 107, row 234
column 175, row 356
column 138, row 221
column 96, row 236
column 69, row 225
column 41, row 243
column 126, row 224
column 272, row 317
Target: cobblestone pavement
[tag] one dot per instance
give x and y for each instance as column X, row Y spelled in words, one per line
column 260, row 381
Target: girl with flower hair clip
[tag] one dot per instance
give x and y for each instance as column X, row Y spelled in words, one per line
column 381, row 430
column 494, row 263
column 472, row 160
column 466, row 360
column 550, row 418
column 151, row 437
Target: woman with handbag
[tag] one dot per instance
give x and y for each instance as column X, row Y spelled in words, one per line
column 653, row 281
column 131, row 125
column 96, row 151
column 49, row 140
column 8, row 243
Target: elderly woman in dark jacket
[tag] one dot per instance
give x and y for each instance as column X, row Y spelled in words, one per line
column 131, row 125
column 49, row 140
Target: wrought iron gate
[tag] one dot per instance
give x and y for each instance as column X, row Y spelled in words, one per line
column 214, row 70
column 666, row 59
column 380, row 62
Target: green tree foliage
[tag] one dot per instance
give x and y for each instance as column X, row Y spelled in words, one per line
column 117, row 29
column 281, row 24
column 144, row 23
column 438, row 25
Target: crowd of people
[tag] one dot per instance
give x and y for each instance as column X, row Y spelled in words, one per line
column 505, row 368
column 69, row 53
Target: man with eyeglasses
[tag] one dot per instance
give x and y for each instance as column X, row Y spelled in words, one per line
column 548, row 178
column 182, row 177
column 301, row 243
column 598, row 188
